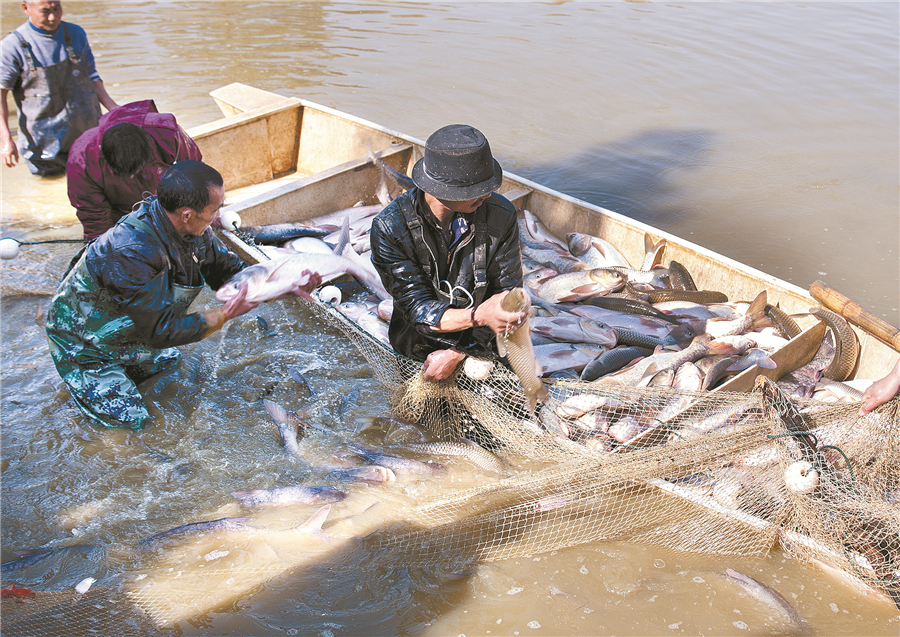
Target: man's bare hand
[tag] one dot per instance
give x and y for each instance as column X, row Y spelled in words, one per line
column 238, row 304
column 440, row 364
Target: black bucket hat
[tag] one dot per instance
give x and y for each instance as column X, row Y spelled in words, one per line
column 458, row 165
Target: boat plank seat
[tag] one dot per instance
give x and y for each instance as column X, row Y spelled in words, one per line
column 518, row 196
column 252, row 146
column 239, row 98
column 308, row 196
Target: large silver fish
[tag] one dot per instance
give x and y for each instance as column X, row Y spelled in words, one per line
column 518, row 350
column 594, row 251
column 297, row 273
column 394, row 463
column 768, row 596
column 578, row 286
column 467, row 449
column 562, row 356
column 294, row 494
column 573, row 329
column 552, row 258
column 222, row 525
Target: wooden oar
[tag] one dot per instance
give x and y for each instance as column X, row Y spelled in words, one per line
column 875, row 325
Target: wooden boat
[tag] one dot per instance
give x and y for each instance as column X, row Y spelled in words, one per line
column 287, row 159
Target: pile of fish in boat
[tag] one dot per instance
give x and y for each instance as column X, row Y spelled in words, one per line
column 594, row 316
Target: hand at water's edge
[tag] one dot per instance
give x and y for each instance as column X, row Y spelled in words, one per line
column 881, row 391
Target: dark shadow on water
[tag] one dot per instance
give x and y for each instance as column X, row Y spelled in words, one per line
column 633, row 177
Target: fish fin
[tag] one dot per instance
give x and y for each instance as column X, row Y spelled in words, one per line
column 501, row 346
column 30, row 552
column 240, row 495
column 315, row 521
column 278, row 413
column 343, row 238
column 757, row 309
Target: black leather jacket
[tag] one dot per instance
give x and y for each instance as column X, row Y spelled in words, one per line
column 127, row 262
column 419, row 266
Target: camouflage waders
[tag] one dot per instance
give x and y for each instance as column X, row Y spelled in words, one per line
column 98, row 352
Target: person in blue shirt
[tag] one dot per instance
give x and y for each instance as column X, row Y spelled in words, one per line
column 49, row 67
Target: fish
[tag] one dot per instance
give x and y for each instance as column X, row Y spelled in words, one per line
column 579, row 404
column 369, row 473
column 310, row 245
column 612, row 360
column 839, row 390
column 846, row 344
column 533, row 232
column 278, row 233
column 385, row 310
column 24, row 559
column 211, row 572
column 333, row 220
column 394, row 463
column 473, row 452
column 400, row 180
column 296, row 494
column 549, row 258
column 701, row 346
column 519, row 351
column 221, row 525
column 536, row 278
column 698, row 296
column 714, row 368
column 650, row 326
column 578, row 286
column 657, row 277
column 574, row 330
column 290, row 426
column 753, row 356
column 652, row 252
column 768, row 596
column 630, row 306
column 680, row 278
column 785, row 323
column 299, row 273
column 685, row 308
column 755, row 317
column 625, row 429
column 596, row 252
column 375, row 326
column 630, row 337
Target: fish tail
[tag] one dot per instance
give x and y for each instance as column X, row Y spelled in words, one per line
column 757, row 312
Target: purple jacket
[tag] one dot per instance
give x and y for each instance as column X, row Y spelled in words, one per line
column 99, row 197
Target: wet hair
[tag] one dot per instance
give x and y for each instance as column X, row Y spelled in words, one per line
column 126, row 148
column 186, row 185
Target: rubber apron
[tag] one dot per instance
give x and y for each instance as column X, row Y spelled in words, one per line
column 97, row 350
column 57, row 103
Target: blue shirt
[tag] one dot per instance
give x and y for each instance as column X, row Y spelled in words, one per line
column 48, row 48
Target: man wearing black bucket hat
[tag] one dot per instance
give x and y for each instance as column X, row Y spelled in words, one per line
column 448, row 251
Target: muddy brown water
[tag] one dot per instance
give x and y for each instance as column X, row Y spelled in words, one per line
column 766, row 132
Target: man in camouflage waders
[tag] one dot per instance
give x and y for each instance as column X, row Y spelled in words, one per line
column 122, row 310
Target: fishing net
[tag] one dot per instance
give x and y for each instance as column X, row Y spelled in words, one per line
column 711, row 472
column 37, row 270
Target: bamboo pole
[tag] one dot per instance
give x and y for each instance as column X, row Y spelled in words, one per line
column 875, row 325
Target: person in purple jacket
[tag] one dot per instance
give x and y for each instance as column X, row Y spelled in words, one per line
column 115, row 165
